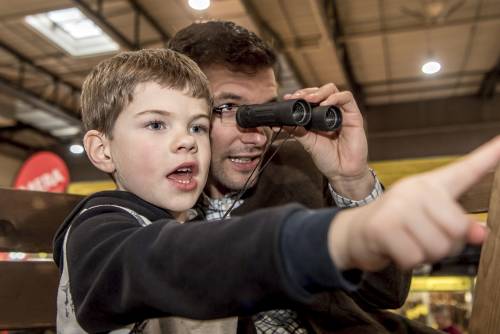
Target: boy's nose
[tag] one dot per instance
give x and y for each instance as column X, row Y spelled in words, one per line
column 185, row 142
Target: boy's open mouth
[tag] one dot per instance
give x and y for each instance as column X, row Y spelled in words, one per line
column 183, row 173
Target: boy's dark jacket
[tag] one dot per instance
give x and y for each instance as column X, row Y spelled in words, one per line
column 122, row 273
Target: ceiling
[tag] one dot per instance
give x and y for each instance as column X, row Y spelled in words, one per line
column 373, row 47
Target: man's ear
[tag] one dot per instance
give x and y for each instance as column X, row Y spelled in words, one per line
column 98, row 150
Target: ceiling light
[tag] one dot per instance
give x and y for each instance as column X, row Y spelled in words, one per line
column 199, row 4
column 76, row 149
column 431, row 67
column 73, row 31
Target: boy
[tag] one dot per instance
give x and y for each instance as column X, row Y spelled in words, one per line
column 145, row 113
column 125, row 257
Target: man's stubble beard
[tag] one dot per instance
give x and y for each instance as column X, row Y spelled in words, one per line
column 222, row 180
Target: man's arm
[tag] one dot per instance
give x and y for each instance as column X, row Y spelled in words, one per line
column 342, row 158
column 384, row 289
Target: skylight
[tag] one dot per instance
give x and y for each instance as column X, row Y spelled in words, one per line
column 73, row 31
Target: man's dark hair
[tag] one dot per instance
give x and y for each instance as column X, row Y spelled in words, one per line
column 223, row 43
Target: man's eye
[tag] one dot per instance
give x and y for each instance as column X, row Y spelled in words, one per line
column 156, row 125
column 228, row 108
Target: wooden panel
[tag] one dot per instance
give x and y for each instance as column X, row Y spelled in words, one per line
column 29, row 219
column 477, row 198
column 89, row 187
column 28, row 294
column 390, row 171
column 485, row 317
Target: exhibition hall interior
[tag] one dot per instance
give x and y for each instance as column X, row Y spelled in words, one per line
column 425, row 75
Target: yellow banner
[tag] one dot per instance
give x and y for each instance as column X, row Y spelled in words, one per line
column 441, row 283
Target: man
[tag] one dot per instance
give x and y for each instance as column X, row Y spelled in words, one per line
column 240, row 70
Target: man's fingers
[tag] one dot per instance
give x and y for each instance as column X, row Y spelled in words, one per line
column 301, row 93
column 343, row 99
column 461, row 175
column 314, row 94
column 324, row 92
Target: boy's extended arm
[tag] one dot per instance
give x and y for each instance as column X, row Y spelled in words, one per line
column 121, row 273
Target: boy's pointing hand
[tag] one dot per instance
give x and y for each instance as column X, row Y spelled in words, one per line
column 418, row 220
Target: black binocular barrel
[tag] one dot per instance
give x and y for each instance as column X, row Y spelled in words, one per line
column 325, row 118
column 291, row 113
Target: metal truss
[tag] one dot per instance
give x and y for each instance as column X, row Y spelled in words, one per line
column 55, row 95
column 342, row 52
column 488, row 85
column 266, row 29
column 96, row 13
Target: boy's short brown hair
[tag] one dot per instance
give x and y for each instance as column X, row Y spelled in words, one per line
column 110, row 86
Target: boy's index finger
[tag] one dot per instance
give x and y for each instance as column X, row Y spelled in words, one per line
column 461, row 175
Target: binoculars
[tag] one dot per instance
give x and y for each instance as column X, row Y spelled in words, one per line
column 290, row 113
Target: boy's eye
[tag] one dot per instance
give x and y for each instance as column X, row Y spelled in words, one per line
column 156, row 125
column 199, row 128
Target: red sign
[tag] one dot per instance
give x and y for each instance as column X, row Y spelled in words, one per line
column 43, row 171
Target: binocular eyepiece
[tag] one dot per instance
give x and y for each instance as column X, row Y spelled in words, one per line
column 290, row 113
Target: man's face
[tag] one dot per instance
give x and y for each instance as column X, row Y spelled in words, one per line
column 236, row 151
column 161, row 148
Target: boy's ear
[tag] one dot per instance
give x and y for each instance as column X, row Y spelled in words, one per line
column 98, row 150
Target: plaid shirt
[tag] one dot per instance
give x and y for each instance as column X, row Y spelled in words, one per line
column 280, row 321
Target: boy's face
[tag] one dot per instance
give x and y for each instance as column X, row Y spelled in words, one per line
column 160, row 147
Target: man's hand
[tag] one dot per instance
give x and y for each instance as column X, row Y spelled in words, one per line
column 341, row 156
column 418, row 220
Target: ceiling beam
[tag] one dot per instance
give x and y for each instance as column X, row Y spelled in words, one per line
column 38, row 101
column 17, row 89
column 451, row 75
column 266, row 30
column 419, row 27
column 16, row 144
column 25, row 60
column 452, row 128
column 337, row 33
column 489, row 82
column 20, row 126
column 138, row 11
column 97, row 17
column 425, row 89
column 7, row 138
column 385, row 45
column 165, row 36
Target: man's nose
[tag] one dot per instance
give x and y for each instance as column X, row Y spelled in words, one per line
column 253, row 136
